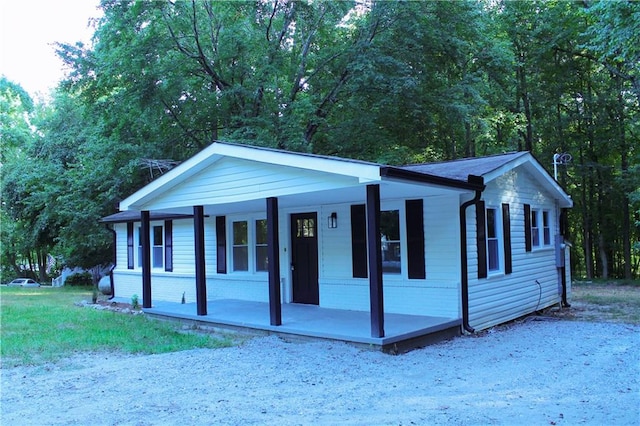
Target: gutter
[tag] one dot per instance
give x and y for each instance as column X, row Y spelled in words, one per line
column 474, row 183
column 478, row 182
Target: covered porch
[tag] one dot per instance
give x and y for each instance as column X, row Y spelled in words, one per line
column 402, row 332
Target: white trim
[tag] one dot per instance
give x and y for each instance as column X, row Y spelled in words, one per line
column 538, row 172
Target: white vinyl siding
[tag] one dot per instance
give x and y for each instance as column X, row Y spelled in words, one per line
column 533, row 284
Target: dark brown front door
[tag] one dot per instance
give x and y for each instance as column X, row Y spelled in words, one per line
column 304, row 258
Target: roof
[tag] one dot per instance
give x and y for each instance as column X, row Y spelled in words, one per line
column 330, row 173
column 461, row 169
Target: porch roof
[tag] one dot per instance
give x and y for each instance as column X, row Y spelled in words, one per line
column 282, row 174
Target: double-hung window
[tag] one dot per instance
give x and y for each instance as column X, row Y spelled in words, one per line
column 161, row 239
column 402, row 240
column 240, row 248
column 249, row 249
column 493, row 252
column 390, row 241
column 493, row 239
column 538, row 228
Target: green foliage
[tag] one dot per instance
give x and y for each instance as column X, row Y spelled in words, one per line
column 394, row 82
column 30, row 337
column 135, row 303
column 80, row 279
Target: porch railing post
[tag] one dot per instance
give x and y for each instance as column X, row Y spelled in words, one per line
column 375, row 261
column 145, row 241
column 201, row 277
column 273, row 256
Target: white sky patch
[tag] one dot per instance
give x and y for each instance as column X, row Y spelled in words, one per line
column 28, row 31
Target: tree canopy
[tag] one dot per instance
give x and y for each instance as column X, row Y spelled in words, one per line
column 393, row 82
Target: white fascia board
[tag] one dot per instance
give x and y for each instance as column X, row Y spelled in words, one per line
column 359, row 169
column 541, row 175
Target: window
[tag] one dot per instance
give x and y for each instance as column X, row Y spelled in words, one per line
column 538, row 226
column 161, row 246
column 535, row 229
column 262, row 260
column 139, row 247
column 240, row 253
column 546, row 228
column 493, row 239
column 158, row 248
column 390, row 239
column 493, row 253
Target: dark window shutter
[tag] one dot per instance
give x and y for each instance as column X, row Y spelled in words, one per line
column 221, row 244
column 130, row 262
column 506, row 233
column 527, row 227
column 359, row 241
column 481, row 236
column 168, row 245
column 415, row 239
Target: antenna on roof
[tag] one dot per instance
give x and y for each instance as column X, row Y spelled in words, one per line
column 562, row 158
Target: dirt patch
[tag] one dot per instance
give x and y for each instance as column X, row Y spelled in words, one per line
column 601, row 303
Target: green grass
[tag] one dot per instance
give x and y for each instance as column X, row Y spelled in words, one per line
column 40, row 325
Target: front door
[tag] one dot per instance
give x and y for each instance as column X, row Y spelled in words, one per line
column 304, row 258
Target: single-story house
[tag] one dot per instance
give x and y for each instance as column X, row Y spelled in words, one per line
column 474, row 242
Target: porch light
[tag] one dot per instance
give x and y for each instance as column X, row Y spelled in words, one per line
column 333, row 220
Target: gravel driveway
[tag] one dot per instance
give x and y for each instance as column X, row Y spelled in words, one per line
column 531, row 372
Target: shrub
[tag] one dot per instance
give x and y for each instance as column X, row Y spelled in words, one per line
column 79, row 279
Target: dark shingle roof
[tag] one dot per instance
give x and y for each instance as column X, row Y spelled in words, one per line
column 461, row 169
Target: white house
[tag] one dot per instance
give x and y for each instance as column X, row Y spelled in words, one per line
column 476, row 241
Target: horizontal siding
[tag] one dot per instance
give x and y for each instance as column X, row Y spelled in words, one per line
column 501, row 298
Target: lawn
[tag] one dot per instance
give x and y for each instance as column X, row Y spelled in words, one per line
column 40, row 325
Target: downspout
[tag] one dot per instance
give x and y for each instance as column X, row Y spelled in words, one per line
column 464, row 269
column 564, row 231
column 115, row 259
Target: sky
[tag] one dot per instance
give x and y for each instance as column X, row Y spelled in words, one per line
column 28, row 29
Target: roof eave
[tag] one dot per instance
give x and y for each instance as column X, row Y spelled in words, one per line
column 473, row 183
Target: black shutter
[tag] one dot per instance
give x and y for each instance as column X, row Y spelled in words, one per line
column 359, row 241
column 168, row 245
column 506, row 233
column 481, row 236
column 221, row 244
column 130, row 262
column 415, row 239
column 527, row 227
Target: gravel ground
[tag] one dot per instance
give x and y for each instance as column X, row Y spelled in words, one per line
column 531, row 372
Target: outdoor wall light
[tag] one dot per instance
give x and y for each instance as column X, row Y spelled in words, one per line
column 333, row 220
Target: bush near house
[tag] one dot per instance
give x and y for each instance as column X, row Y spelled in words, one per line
column 79, row 279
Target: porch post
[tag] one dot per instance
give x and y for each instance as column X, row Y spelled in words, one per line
column 273, row 256
column 145, row 241
column 201, row 277
column 375, row 261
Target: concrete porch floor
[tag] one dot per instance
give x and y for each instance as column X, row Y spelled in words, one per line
column 402, row 332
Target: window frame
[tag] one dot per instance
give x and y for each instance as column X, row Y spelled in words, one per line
column 541, row 228
column 251, row 246
column 498, row 238
column 165, row 249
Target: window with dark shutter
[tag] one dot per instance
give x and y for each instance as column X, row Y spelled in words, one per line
column 415, row 239
column 527, row 227
column 481, row 239
column 130, row 261
column 359, row 241
column 168, row 245
column 221, row 244
column 506, row 235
